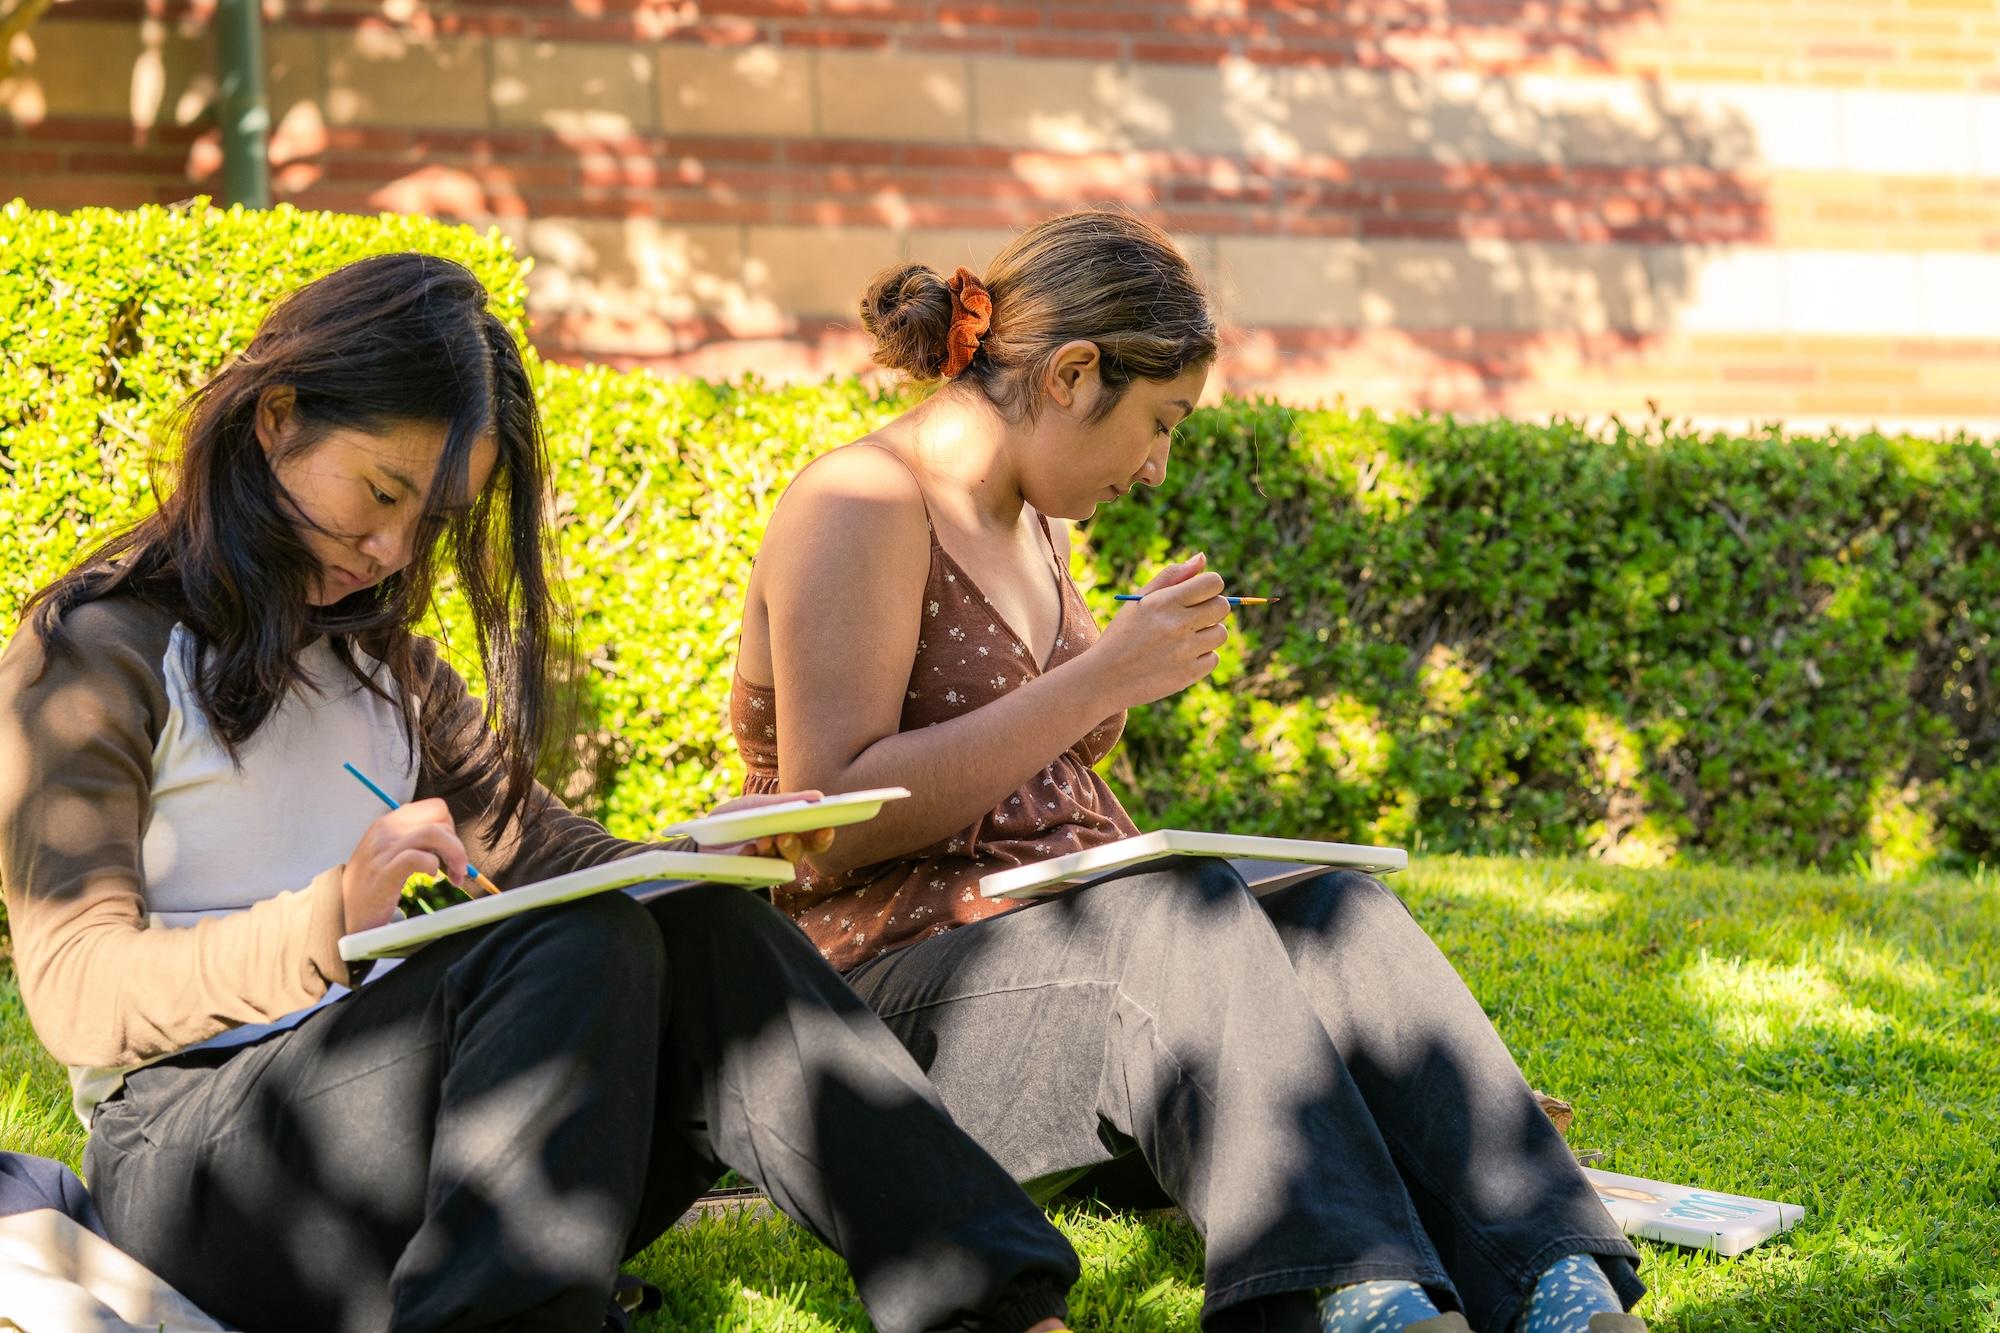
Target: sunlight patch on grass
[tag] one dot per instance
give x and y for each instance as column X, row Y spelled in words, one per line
column 1864, row 962
column 1534, row 889
column 1753, row 1003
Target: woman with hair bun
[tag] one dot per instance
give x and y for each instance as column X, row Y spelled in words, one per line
column 1304, row 1073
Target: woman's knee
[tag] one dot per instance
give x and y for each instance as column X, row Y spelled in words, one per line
column 700, row 909
column 731, row 926
column 1339, row 900
column 606, row 934
column 1201, row 906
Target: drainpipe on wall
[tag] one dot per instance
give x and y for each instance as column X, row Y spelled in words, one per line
column 246, row 117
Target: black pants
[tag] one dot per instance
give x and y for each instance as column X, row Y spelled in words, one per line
column 1304, row 1073
column 476, row 1140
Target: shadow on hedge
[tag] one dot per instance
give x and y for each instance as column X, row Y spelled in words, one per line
column 1502, row 637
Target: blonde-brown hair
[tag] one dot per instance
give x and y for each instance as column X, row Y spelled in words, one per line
column 1103, row 276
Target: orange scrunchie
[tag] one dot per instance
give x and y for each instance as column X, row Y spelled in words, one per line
column 971, row 316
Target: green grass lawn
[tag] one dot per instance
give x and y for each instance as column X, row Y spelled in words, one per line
column 1815, row 1038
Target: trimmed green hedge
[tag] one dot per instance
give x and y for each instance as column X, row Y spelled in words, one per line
column 1494, row 636
column 1633, row 644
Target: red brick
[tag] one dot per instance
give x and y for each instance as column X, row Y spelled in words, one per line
column 881, row 11
column 1408, row 200
column 833, row 37
column 338, row 201
column 60, row 192
column 931, row 156
column 1297, row 25
column 1295, row 55
column 988, row 16
column 1102, row 20
column 120, row 131
column 1202, row 25
column 324, row 18
column 703, row 150
column 590, row 30
column 134, row 10
column 831, row 212
column 1249, row 192
column 671, row 207
column 1219, row 222
column 760, row 9
column 36, row 161
column 100, row 163
column 847, row 151
column 457, row 25
column 729, row 33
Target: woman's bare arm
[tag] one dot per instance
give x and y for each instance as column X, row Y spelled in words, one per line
column 842, row 574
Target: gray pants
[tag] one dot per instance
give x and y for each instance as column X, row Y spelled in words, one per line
column 1304, row 1073
column 475, row 1140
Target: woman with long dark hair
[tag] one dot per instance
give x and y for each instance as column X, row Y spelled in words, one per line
column 1304, row 1072
column 476, row 1137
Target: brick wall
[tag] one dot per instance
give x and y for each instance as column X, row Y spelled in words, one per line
column 1733, row 209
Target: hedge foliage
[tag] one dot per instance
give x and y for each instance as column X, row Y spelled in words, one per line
column 1634, row 643
column 1638, row 643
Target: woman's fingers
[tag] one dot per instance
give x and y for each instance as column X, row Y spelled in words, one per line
column 766, row 798
column 1200, row 589
column 415, row 861
column 1178, row 572
column 793, row 846
column 442, row 844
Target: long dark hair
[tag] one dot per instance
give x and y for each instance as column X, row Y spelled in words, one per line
column 400, row 338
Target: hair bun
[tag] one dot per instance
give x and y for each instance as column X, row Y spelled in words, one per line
column 908, row 311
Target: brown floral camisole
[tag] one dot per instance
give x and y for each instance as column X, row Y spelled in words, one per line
column 967, row 656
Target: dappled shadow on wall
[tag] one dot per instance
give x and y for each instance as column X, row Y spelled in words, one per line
column 1416, row 201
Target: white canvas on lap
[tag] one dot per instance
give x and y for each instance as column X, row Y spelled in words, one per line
column 1052, row 875
column 673, row 870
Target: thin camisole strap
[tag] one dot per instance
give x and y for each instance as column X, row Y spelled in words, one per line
column 1048, row 534
column 922, row 498
column 1055, row 556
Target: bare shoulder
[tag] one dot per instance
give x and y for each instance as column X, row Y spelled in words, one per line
column 860, row 471
column 858, row 501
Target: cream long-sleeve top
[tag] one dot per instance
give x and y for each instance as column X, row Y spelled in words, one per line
column 163, row 897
